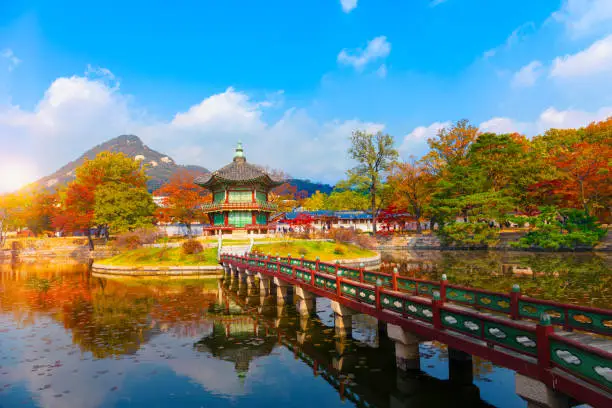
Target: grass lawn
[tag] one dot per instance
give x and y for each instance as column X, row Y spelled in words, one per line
column 162, row 257
column 326, row 251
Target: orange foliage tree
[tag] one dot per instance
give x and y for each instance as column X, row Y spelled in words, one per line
column 412, row 187
column 183, row 199
column 585, row 174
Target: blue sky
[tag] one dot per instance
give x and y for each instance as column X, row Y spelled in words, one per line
column 291, row 79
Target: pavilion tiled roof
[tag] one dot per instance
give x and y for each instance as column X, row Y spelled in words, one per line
column 239, row 171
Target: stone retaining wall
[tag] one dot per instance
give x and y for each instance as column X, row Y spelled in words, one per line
column 209, row 270
column 33, row 255
column 370, row 263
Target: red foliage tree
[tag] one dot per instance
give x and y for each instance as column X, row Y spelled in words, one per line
column 183, row 199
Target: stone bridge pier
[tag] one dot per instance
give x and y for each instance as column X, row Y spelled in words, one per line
column 251, row 284
column 306, row 301
column 282, row 290
column 406, row 348
column 539, row 395
column 343, row 319
column 264, row 284
column 302, row 333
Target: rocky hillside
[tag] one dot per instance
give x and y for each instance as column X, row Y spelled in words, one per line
column 161, row 166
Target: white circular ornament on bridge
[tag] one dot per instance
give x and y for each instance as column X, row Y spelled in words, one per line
column 471, row 325
column 605, row 372
column 497, row 333
column 525, row 341
column 450, row 320
column 568, row 357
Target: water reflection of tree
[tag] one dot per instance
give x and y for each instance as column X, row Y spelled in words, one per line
column 580, row 278
column 120, row 318
column 106, row 318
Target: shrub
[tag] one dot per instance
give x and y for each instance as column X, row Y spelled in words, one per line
column 351, row 236
column 468, row 234
column 338, row 250
column 137, row 238
column 192, row 246
column 562, row 229
column 303, row 251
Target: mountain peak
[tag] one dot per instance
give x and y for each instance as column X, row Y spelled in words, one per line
column 160, row 167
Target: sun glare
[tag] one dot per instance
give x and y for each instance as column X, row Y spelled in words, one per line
column 14, row 175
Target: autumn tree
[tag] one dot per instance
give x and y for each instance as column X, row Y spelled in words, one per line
column 183, row 199
column 585, row 174
column 374, row 154
column 41, row 207
column 317, row 201
column 12, row 213
column 122, row 207
column 411, row 186
column 79, row 198
column 286, row 197
column 450, row 147
column 342, row 200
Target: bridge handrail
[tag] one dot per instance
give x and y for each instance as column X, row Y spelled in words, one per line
column 538, row 342
column 513, row 304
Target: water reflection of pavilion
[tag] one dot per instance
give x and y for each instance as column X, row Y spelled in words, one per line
column 237, row 342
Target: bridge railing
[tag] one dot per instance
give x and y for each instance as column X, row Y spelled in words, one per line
column 513, row 304
column 550, row 350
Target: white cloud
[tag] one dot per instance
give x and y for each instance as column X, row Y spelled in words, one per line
column 415, row 141
column 527, row 75
column 596, row 59
column 585, row 17
column 382, row 71
column 549, row 118
column 553, row 118
column 377, row 48
column 79, row 112
column 12, row 59
column 348, row 5
column 504, row 125
column 513, row 39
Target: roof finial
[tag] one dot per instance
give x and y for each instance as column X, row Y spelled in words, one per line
column 239, row 151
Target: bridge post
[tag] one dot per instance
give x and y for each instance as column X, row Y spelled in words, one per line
column 306, row 305
column 282, row 292
column 241, row 279
column 406, row 348
column 460, row 369
column 250, row 281
column 264, row 284
column 539, row 395
column 302, row 332
column 343, row 319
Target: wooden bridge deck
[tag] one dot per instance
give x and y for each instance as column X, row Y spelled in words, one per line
column 502, row 328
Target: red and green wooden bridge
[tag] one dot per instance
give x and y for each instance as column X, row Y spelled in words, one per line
column 567, row 349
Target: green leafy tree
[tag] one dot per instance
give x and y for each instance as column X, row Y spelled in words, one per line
column 79, row 198
column 123, row 207
column 317, row 201
column 374, row 154
column 567, row 228
column 347, row 200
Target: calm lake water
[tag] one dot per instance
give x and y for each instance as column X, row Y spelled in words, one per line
column 70, row 339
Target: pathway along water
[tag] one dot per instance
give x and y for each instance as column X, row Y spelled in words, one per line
column 70, row 339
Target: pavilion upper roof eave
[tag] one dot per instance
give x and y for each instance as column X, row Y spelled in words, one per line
column 212, row 179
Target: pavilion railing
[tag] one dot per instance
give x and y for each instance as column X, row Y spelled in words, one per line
column 258, row 205
column 431, row 302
